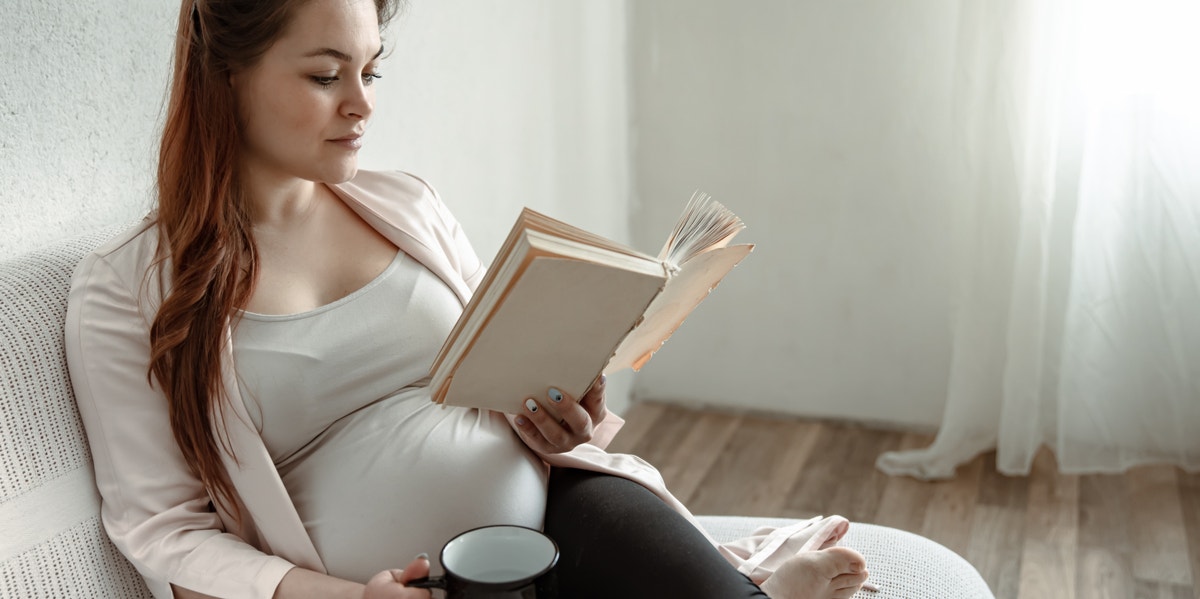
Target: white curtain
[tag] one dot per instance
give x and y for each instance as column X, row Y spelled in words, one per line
column 1077, row 321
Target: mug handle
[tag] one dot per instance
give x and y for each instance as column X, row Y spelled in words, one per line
column 428, row 582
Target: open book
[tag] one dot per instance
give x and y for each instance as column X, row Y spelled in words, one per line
column 560, row 306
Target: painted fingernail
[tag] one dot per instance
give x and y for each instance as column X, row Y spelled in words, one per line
column 424, row 556
column 531, row 405
column 603, row 379
column 521, row 421
column 555, row 395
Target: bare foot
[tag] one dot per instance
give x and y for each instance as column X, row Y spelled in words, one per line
column 833, row 573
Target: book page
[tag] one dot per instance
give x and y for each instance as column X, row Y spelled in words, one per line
column 684, row 291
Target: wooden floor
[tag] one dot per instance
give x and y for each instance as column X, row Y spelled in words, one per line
column 1047, row 535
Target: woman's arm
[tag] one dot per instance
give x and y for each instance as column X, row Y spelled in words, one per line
column 299, row 583
column 306, row 584
column 154, row 510
column 388, row 584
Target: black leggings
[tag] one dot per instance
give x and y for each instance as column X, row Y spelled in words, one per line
column 619, row 540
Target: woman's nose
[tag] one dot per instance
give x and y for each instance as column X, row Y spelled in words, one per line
column 359, row 103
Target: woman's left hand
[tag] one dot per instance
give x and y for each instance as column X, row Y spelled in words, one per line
column 557, row 423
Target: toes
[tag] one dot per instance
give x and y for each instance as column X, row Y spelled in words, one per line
column 846, row 560
column 828, row 573
column 853, row 579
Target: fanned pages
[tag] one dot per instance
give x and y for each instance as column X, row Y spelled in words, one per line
column 705, row 225
column 561, row 305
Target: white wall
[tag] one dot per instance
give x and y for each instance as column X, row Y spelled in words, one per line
column 79, row 108
column 824, row 125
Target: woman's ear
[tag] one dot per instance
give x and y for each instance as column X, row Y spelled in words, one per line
column 238, row 76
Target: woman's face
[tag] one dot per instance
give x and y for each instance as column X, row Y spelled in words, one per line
column 304, row 106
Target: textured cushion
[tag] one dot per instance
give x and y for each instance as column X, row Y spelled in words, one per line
column 51, row 541
column 902, row 565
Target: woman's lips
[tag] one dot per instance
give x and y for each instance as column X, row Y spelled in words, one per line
column 350, row 142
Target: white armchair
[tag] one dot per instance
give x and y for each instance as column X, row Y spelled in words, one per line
column 51, row 540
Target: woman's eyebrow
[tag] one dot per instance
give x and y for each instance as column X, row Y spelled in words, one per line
column 338, row 54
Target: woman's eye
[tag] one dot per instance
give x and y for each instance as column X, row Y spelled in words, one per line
column 324, row 81
column 369, row 78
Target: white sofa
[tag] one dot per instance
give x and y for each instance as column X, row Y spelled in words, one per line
column 52, row 543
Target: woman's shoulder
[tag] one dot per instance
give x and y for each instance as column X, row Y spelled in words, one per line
column 389, row 186
column 123, row 260
column 398, row 198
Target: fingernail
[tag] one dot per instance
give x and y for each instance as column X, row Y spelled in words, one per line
column 521, row 421
column 424, row 556
column 555, row 395
column 531, row 405
column 603, row 379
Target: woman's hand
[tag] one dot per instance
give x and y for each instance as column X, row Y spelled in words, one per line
column 389, row 584
column 557, row 423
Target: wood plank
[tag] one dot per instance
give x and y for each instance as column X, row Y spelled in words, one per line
column 1000, row 490
column 1189, row 500
column 658, row 444
column 845, row 481
column 859, row 493
column 687, row 466
column 951, row 509
column 998, row 532
column 812, row 491
column 997, row 540
column 748, row 477
column 794, row 455
column 1048, row 560
column 1146, row 589
column 905, row 499
column 639, row 420
column 1160, row 547
column 1105, row 563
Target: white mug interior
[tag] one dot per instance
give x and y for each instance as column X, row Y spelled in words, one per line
column 499, row 554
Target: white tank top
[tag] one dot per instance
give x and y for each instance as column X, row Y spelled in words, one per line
column 377, row 472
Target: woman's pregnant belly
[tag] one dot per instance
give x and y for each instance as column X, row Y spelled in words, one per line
column 403, row 475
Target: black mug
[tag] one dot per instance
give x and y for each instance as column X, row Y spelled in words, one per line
column 495, row 562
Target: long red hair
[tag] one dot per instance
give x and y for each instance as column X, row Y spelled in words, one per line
column 206, row 250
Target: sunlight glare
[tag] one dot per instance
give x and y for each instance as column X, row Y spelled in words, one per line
column 1140, row 48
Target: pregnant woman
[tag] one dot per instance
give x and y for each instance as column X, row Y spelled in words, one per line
column 251, row 361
